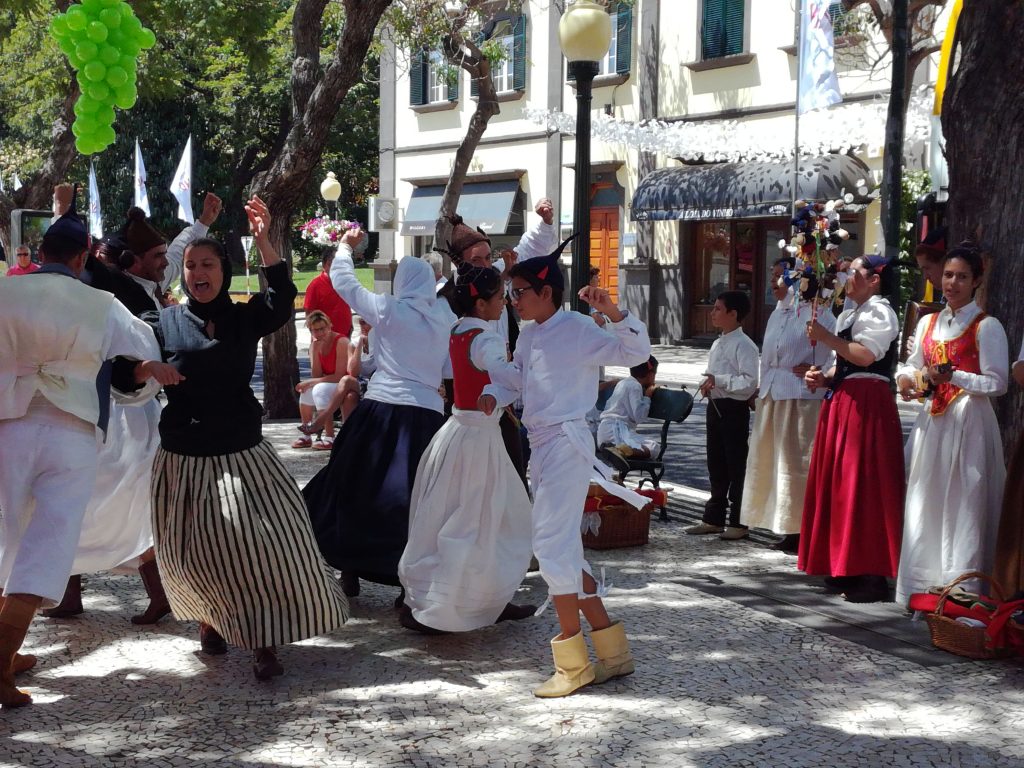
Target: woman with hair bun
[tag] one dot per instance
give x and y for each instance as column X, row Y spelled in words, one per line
column 955, row 470
column 469, row 518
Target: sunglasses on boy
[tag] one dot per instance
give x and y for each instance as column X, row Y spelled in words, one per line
column 515, row 293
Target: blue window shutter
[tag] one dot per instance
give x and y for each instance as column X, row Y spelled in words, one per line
column 624, row 38
column 519, row 54
column 417, row 70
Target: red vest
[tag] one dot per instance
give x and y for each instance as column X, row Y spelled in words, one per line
column 469, row 381
column 961, row 351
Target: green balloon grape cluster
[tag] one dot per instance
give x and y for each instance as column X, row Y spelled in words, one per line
column 102, row 40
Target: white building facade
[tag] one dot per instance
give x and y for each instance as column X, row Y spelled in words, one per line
column 666, row 243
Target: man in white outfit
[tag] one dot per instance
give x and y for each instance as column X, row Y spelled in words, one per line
column 56, row 334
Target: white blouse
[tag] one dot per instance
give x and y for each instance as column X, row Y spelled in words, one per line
column 874, row 326
column 786, row 346
column 993, row 350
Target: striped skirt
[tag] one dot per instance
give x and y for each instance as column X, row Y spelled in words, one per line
column 236, row 550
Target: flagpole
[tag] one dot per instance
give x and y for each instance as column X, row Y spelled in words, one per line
column 796, row 106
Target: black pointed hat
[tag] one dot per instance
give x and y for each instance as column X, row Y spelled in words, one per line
column 546, row 269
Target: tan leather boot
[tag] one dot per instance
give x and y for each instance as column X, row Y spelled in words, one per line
column 612, row 651
column 15, row 617
column 573, row 669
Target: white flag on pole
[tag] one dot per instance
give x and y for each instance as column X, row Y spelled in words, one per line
column 95, row 214
column 818, row 85
column 141, row 196
column 181, row 187
column 17, row 182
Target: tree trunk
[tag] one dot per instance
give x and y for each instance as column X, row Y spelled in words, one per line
column 280, row 359
column 479, row 69
column 983, row 122
column 317, row 94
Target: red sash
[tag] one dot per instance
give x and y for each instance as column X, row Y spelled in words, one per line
column 961, row 351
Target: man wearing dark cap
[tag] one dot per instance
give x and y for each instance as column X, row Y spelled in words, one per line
column 60, row 331
column 116, row 527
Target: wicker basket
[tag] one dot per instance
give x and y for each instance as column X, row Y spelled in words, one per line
column 954, row 637
column 621, row 526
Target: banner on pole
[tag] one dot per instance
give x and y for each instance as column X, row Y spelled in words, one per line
column 818, row 85
column 141, row 196
column 181, row 186
column 95, row 214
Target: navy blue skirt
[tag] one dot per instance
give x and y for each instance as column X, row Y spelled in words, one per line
column 359, row 502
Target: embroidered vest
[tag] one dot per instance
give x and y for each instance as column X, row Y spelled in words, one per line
column 469, row 381
column 51, row 343
column 961, row 351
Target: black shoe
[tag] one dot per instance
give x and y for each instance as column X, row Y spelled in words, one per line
column 839, row 584
column 349, row 584
column 869, row 589
column 790, row 544
column 516, row 612
column 211, row 642
column 265, row 664
column 400, row 600
column 407, row 620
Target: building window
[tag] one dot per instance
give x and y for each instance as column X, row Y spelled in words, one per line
column 437, row 78
column 502, row 73
column 508, row 31
column 432, row 79
column 722, row 27
column 609, row 64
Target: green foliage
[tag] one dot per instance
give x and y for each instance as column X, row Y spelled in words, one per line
column 220, row 72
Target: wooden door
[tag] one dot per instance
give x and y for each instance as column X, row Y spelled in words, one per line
column 604, row 247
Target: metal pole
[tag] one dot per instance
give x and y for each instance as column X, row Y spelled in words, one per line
column 584, row 72
column 796, row 111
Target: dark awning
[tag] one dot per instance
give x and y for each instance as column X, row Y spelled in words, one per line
column 484, row 204
column 738, row 190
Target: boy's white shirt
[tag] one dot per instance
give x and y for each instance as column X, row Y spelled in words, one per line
column 556, row 365
column 627, row 403
column 733, row 361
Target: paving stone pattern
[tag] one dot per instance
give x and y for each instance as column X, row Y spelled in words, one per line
column 717, row 684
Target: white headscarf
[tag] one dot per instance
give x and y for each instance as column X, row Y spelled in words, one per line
column 415, row 285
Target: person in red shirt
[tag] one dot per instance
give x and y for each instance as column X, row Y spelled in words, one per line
column 320, row 294
column 23, row 264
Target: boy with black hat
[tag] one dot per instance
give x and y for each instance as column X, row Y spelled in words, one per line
column 555, row 368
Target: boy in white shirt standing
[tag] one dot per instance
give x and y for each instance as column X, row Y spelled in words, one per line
column 730, row 381
column 555, row 367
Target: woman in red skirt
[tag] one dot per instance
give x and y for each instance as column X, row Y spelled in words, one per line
column 853, row 511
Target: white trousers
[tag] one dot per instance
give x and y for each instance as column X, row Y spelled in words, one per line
column 319, row 395
column 47, row 473
column 560, row 475
column 618, row 432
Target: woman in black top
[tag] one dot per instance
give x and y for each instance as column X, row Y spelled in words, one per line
column 232, row 534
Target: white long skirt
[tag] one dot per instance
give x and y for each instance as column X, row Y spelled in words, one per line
column 780, row 454
column 955, row 479
column 117, row 526
column 469, row 527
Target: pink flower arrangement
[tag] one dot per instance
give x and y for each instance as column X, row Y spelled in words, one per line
column 324, row 231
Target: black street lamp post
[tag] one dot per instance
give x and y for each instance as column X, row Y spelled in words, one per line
column 585, row 33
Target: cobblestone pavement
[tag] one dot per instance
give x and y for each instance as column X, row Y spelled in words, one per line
column 720, row 682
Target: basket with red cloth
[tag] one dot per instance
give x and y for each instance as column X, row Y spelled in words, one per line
column 611, row 523
column 971, row 625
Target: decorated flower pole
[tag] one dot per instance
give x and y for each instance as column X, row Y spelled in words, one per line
column 102, row 40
